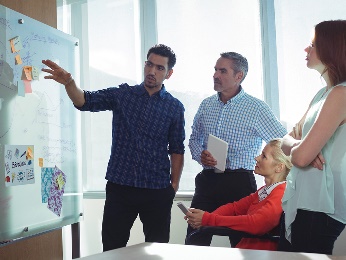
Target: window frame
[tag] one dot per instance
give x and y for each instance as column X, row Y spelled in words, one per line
column 147, row 20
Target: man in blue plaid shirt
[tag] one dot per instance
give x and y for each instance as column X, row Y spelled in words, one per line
column 147, row 153
column 241, row 120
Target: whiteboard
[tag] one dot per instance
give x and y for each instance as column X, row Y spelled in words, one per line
column 36, row 116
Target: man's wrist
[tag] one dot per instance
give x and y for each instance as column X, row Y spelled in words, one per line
column 69, row 81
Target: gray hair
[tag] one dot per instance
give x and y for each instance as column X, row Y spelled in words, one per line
column 239, row 62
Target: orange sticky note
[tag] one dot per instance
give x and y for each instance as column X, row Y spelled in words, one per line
column 16, row 44
column 27, row 71
column 13, row 49
column 40, row 162
column 18, row 60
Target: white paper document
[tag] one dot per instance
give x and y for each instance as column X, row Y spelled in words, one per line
column 218, row 148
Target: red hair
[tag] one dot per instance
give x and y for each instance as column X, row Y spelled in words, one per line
column 330, row 43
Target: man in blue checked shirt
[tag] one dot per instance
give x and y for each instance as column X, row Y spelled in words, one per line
column 241, row 120
column 147, row 151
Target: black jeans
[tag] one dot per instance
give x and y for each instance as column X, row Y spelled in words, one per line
column 312, row 232
column 213, row 190
column 124, row 203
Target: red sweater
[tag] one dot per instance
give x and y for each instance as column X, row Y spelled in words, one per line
column 251, row 216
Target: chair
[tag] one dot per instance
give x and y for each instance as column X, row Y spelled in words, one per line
column 194, row 237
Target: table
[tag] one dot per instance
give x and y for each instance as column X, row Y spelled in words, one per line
column 162, row 251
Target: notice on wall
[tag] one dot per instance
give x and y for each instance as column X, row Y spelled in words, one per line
column 19, row 165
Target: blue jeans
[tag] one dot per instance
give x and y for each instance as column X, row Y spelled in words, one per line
column 123, row 205
column 312, row 232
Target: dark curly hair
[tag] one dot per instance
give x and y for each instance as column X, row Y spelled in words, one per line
column 164, row 51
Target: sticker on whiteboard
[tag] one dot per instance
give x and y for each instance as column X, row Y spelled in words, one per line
column 27, row 86
column 40, row 162
column 16, row 44
column 19, row 169
column 56, row 192
column 27, row 73
column 46, row 182
column 18, row 60
column 35, row 73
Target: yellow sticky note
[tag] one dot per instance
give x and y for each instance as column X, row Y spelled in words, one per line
column 60, row 181
column 40, row 162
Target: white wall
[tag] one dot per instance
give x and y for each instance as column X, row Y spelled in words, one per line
column 91, row 231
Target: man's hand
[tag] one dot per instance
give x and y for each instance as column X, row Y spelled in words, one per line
column 207, row 159
column 175, row 186
column 57, row 73
column 61, row 76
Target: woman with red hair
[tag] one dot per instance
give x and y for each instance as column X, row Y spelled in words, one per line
column 315, row 197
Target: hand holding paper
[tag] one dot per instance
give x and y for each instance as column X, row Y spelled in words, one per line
column 207, row 159
column 218, row 149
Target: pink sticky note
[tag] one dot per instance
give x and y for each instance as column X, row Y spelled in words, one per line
column 27, row 86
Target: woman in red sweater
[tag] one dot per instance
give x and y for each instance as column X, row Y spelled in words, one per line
column 259, row 212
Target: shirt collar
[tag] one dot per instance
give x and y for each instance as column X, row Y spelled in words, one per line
column 140, row 90
column 237, row 97
column 266, row 190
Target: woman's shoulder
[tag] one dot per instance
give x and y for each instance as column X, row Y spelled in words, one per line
column 340, row 87
column 338, row 92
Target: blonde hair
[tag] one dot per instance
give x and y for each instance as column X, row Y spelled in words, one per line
column 279, row 156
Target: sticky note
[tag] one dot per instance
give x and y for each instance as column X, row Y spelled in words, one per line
column 27, row 86
column 27, row 72
column 13, row 49
column 18, row 59
column 40, row 162
column 35, row 73
column 17, row 44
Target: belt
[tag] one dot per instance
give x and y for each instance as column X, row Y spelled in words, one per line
column 227, row 171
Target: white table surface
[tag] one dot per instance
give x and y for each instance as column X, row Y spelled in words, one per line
column 162, row 251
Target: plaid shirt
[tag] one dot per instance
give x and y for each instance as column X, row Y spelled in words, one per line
column 145, row 129
column 243, row 122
